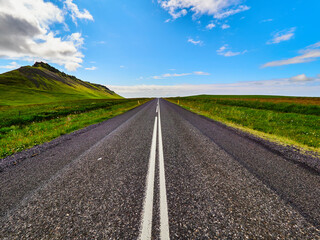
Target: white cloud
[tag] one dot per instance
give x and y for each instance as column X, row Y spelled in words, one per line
column 210, row 26
column 199, row 42
column 12, row 65
column 75, row 12
column 230, row 54
column 301, row 78
column 170, row 75
column 26, row 34
column 281, row 36
column 100, row 42
column 201, row 73
column 267, row 20
column 309, row 54
column 76, row 38
column 91, row 68
column 285, row 87
column 217, row 8
column 225, row 26
column 313, row 46
column 178, row 14
column 230, row 12
column 223, row 48
column 223, row 51
column 122, row 66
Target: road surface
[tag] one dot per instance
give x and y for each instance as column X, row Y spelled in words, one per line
column 158, row 172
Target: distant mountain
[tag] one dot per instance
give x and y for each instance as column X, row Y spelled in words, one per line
column 43, row 83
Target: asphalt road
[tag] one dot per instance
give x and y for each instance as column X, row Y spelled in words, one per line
column 158, row 172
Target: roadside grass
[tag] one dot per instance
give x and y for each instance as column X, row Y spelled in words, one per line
column 23, row 127
column 22, row 115
column 282, row 107
column 264, row 98
column 285, row 123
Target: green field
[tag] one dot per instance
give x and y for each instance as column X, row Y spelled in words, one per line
column 23, row 127
column 287, row 120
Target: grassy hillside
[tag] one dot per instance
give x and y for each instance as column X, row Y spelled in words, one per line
column 42, row 83
column 287, row 120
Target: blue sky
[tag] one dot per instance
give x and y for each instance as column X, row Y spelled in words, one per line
column 170, row 47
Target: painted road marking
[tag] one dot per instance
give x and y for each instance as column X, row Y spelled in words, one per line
column 146, row 223
column 164, row 221
column 157, row 108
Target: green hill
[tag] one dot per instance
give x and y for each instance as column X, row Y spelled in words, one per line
column 43, row 83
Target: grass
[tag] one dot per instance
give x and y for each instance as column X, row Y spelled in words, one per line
column 22, row 115
column 263, row 98
column 287, row 120
column 22, row 127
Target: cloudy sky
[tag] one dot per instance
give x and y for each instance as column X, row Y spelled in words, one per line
column 170, row 47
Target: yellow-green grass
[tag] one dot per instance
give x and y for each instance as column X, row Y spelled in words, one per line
column 291, row 124
column 63, row 119
column 263, row 98
column 22, row 115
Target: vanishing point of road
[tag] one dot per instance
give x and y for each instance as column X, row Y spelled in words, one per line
column 158, row 172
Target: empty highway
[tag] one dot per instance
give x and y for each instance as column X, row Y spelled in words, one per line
column 158, row 172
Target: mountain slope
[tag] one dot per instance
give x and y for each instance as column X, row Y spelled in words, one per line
column 43, row 83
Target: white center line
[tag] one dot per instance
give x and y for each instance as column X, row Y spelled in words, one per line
column 146, row 223
column 157, row 108
column 164, row 221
